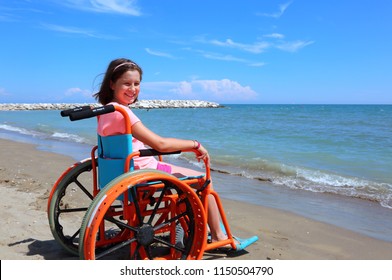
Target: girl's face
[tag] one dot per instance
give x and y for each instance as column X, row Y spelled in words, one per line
column 127, row 87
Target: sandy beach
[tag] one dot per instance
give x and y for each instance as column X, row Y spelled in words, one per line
column 27, row 176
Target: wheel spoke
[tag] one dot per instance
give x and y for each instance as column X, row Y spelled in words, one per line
column 157, row 204
column 160, row 240
column 148, row 252
column 137, row 206
column 84, row 209
column 120, row 224
column 76, row 181
column 134, row 256
column 169, row 221
column 115, row 248
column 74, row 235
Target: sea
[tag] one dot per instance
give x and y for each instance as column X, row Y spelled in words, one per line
column 330, row 163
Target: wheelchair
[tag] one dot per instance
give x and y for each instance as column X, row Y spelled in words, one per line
column 128, row 213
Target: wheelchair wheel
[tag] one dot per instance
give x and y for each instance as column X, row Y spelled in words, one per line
column 70, row 199
column 160, row 217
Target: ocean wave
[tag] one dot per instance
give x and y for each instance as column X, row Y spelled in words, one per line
column 308, row 179
column 44, row 134
column 68, row 137
column 19, row 130
column 319, row 181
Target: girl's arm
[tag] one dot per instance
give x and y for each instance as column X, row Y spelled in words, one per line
column 163, row 144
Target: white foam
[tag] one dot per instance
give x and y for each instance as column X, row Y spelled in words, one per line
column 68, row 136
column 319, row 181
column 16, row 129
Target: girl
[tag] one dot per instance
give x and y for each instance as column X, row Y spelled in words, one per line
column 121, row 86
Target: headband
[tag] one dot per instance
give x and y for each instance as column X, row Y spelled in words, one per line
column 122, row 64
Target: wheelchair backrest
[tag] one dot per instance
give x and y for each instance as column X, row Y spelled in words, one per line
column 112, row 153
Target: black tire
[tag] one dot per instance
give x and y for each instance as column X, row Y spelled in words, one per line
column 69, row 203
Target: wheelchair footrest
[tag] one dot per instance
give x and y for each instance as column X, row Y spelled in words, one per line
column 242, row 243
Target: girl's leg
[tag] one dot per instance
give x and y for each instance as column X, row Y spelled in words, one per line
column 214, row 220
column 213, row 212
column 182, row 171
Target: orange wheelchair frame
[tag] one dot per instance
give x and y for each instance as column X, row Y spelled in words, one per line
column 135, row 214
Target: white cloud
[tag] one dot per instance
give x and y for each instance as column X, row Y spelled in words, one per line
column 126, row 7
column 293, row 46
column 229, row 57
column 221, row 91
column 254, row 48
column 3, row 92
column 68, row 29
column 71, row 92
column 158, row 53
column 275, row 36
column 7, row 18
column 75, row 31
column 257, row 64
column 225, row 89
column 13, row 14
column 257, row 47
column 182, row 88
column 282, row 9
column 226, row 57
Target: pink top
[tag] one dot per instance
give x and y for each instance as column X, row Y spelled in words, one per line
column 113, row 124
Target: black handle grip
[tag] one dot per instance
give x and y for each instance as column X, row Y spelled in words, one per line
column 66, row 113
column 152, row 152
column 85, row 114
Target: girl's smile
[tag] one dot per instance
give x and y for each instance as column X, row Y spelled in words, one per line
column 127, row 87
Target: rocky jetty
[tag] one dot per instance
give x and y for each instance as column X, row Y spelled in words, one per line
column 143, row 104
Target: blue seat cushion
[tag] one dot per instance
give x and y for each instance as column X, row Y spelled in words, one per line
column 112, row 153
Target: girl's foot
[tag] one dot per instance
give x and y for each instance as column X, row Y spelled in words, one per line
column 227, row 246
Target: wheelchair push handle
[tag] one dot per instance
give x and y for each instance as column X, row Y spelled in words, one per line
column 66, row 113
column 89, row 113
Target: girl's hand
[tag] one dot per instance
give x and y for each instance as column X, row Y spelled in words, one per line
column 203, row 154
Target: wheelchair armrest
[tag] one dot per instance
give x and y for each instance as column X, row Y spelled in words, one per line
column 153, row 152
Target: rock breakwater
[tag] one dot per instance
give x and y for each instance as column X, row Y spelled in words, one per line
column 143, row 104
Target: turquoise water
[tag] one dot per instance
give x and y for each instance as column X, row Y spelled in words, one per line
column 340, row 151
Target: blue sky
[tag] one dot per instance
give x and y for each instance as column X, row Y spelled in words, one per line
column 250, row 51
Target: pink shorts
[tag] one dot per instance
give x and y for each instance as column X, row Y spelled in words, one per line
column 164, row 167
